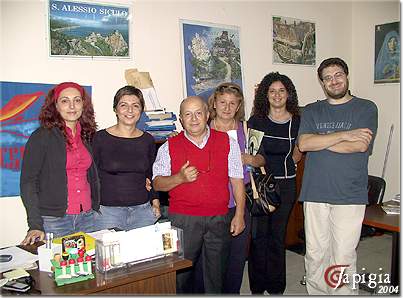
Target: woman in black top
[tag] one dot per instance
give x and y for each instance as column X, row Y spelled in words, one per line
column 275, row 112
column 124, row 155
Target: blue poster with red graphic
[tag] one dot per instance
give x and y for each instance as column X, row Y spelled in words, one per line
column 20, row 107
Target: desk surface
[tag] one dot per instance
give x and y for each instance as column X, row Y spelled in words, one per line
column 103, row 282
column 376, row 217
column 152, row 277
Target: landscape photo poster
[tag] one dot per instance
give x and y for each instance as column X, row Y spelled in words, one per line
column 80, row 29
column 294, row 41
column 20, row 107
column 387, row 53
column 211, row 55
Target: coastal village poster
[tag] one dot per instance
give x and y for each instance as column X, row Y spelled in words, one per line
column 81, row 29
column 211, row 56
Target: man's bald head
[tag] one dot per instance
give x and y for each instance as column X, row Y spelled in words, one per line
column 193, row 116
column 190, row 100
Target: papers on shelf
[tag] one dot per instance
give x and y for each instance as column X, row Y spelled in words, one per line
column 391, row 210
column 155, row 112
column 21, row 259
column 396, row 198
column 14, row 274
column 159, row 122
column 163, row 116
column 151, row 99
column 392, row 206
column 142, row 80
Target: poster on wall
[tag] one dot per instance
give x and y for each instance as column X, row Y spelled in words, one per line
column 80, row 29
column 20, row 108
column 387, row 53
column 211, row 55
column 294, row 41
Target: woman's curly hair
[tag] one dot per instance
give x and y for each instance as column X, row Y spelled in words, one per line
column 49, row 117
column 261, row 106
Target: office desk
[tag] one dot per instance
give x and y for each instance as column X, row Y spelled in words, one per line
column 153, row 277
column 377, row 218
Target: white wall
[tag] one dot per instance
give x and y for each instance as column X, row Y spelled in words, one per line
column 156, row 44
column 365, row 15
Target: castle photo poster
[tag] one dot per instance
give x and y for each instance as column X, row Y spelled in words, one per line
column 294, row 41
column 79, row 29
column 387, row 53
column 211, row 55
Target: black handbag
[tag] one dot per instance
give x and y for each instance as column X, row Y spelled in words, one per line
column 262, row 193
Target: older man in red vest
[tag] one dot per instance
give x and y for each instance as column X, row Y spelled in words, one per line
column 195, row 167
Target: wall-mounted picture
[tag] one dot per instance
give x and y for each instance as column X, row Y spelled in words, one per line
column 387, row 53
column 79, row 29
column 20, row 107
column 294, row 41
column 211, row 55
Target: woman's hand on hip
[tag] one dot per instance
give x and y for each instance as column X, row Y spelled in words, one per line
column 148, row 185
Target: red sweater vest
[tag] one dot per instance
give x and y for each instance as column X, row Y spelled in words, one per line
column 208, row 195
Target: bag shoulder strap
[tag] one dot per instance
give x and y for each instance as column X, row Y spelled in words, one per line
column 245, row 131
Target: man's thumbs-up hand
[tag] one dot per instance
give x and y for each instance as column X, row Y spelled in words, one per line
column 188, row 173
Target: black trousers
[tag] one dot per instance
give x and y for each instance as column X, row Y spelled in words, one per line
column 207, row 234
column 266, row 262
column 237, row 255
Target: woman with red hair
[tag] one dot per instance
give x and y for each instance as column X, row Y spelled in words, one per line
column 59, row 182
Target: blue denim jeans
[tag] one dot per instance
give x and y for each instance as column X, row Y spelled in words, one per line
column 125, row 218
column 69, row 223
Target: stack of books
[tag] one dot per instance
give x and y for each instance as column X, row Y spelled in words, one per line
column 159, row 123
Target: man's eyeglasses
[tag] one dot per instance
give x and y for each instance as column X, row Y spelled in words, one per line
column 337, row 76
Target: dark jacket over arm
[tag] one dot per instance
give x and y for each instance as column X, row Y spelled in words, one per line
column 43, row 182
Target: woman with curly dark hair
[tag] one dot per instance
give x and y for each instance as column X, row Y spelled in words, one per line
column 59, row 182
column 275, row 113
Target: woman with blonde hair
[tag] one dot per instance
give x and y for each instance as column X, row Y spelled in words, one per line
column 227, row 111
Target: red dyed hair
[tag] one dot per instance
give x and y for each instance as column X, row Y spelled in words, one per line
column 49, row 117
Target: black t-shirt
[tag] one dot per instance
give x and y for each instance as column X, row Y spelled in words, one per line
column 277, row 144
column 123, row 165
